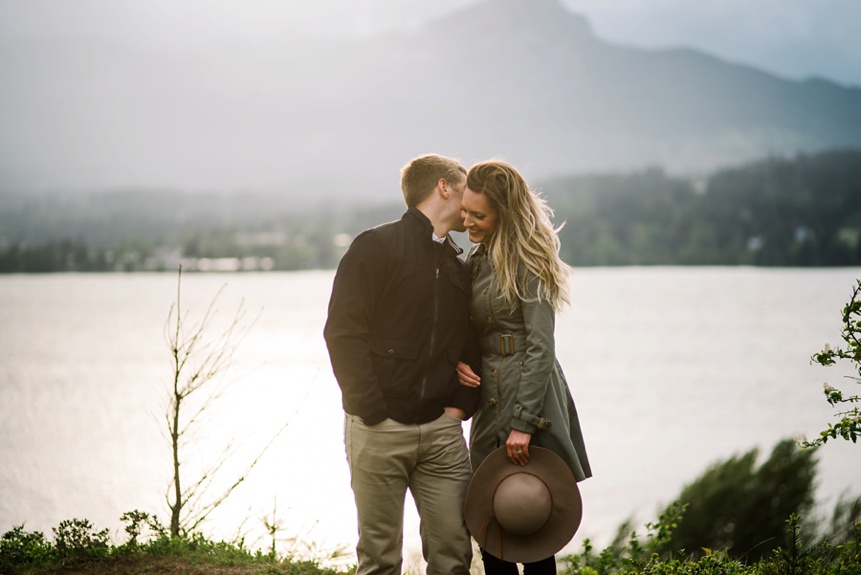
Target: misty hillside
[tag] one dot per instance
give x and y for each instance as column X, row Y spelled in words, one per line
column 801, row 211
column 525, row 80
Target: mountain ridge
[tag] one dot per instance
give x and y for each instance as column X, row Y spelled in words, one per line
column 526, row 81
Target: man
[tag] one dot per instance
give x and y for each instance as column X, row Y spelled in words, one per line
column 398, row 323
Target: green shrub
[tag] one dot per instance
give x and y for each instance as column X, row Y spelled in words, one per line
column 732, row 520
column 823, row 558
column 794, row 558
column 849, row 425
column 149, row 547
column 21, row 548
column 75, row 542
column 136, row 521
column 741, row 509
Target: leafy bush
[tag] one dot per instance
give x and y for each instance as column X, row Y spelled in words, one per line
column 794, row 558
column 136, row 521
column 844, row 519
column 849, row 425
column 22, row 548
column 741, row 509
column 75, row 542
column 732, row 520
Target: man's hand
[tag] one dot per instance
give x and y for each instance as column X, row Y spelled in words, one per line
column 466, row 376
column 456, row 413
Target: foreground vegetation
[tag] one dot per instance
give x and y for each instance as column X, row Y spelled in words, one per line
column 78, row 548
column 801, row 211
column 655, row 557
column 848, row 426
column 737, row 518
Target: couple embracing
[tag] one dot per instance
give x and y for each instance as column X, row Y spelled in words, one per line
column 420, row 341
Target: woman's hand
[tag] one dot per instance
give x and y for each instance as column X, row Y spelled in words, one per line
column 466, row 376
column 517, row 447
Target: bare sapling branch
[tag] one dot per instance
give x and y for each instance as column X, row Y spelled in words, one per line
column 199, row 362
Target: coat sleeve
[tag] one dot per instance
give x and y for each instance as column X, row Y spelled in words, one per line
column 468, row 398
column 355, row 294
column 538, row 362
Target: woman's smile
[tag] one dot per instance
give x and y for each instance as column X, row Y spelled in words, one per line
column 479, row 217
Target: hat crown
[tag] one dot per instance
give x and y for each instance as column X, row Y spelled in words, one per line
column 522, row 503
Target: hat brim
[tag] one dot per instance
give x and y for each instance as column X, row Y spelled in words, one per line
column 565, row 514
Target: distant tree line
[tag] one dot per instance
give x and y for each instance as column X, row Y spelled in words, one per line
column 800, row 211
column 804, row 211
column 156, row 230
column 63, row 255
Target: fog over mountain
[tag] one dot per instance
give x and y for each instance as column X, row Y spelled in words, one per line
column 524, row 80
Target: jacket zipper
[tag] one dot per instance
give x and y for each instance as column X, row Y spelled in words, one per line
column 433, row 333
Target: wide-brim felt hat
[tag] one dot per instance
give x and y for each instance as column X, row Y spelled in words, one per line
column 523, row 513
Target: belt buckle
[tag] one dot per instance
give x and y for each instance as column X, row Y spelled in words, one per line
column 506, row 344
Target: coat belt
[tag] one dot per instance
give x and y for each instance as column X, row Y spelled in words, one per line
column 504, row 344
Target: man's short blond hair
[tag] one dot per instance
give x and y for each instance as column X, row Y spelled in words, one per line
column 420, row 176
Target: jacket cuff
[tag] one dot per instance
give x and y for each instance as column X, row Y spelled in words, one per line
column 528, row 423
column 521, row 425
column 467, row 399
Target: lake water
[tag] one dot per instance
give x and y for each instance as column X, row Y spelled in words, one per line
column 672, row 369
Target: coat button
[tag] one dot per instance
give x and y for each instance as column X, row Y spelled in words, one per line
column 391, row 352
column 492, row 373
column 492, row 401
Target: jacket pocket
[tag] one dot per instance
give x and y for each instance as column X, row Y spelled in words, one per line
column 394, row 361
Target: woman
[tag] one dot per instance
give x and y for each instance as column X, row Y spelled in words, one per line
column 519, row 283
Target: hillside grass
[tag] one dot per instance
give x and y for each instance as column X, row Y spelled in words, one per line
column 78, row 550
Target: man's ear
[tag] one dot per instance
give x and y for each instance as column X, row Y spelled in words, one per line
column 442, row 188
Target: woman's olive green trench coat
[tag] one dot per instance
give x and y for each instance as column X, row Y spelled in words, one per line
column 522, row 384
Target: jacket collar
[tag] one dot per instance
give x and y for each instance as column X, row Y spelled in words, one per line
column 422, row 224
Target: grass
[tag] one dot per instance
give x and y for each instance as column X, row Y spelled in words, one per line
column 145, row 564
column 77, row 549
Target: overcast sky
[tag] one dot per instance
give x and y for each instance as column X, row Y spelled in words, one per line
column 793, row 38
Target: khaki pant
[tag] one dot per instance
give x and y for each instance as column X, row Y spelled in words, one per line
column 431, row 460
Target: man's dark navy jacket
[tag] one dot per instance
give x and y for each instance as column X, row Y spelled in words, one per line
column 399, row 322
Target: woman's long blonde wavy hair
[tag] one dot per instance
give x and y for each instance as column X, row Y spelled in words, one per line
column 525, row 239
